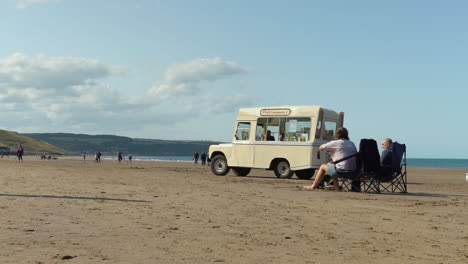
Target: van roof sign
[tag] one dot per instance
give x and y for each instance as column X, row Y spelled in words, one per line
column 275, row 112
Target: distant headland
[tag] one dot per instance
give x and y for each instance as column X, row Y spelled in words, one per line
column 68, row 143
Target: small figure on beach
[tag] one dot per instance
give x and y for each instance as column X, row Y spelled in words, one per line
column 203, row 159
column 195, row 157
column 340, row 148
column 119, row 156
column 84, row 156
column 130, row 158
column 19, row 153
column 97, row 156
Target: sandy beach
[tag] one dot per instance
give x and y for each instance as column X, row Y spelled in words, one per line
column 70, row 211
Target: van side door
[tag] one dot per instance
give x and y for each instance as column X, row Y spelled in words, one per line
column 243, row 147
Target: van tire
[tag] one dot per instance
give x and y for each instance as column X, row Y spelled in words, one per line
column 282, row 169
column 239, row 171
column 305, row 174
column 219, row 165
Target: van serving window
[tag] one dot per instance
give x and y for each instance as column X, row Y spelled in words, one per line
column 298, row 129
column 264, row 125
column 283, row 128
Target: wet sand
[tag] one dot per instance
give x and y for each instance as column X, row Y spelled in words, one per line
column 70, row 211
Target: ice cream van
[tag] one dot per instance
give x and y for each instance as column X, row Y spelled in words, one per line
column 283, row 139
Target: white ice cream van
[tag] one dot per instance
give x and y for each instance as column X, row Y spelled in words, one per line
column 283, row 139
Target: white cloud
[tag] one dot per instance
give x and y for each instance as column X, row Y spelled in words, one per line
column 59, row 90
column 44, row 93
column 222, row 104
column 184, row 79
column 52, row 73
column 29, row 3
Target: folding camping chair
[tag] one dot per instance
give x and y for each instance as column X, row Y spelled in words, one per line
column 396, row 181
column 352, row 184
column 350, row 180
column 368, row 164
column 369, row 176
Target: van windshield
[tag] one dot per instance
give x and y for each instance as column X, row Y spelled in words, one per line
column 243, row 131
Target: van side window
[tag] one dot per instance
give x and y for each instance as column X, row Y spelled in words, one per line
column 243, row 131
column 329, row 130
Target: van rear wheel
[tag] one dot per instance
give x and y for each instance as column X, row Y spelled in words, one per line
column 238, row 171
column 219, row 165
column 305, row 174
column 283, row 170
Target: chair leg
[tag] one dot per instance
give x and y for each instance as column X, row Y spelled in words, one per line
column 344, row 184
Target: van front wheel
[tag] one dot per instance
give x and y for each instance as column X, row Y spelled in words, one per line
column 283, row 170
column 219, row 165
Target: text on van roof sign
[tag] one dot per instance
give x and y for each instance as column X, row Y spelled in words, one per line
column 275, row 112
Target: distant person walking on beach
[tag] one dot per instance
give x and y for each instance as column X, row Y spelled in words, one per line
column 130, row 158
column 84, row 156
column 119, row 156
column 195, row 157
column 203, row 159
column 19, row 153
column 97, row 156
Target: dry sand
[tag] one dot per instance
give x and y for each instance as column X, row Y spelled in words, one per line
column 68, row 211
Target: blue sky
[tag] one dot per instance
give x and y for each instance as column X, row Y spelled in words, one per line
column 182, row 69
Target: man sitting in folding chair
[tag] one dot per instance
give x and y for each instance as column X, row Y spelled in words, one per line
column 392, row 176
column 386, row 159
column 340, row 148
column 368, row 165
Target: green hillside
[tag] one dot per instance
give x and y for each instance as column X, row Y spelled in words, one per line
column 109, row 144
column 9, row 142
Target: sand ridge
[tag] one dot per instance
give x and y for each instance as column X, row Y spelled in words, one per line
column 70, row 211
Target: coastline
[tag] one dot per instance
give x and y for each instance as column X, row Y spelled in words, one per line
column 423, row 163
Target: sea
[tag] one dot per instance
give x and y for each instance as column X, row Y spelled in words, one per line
column 437, row 163
column 410, row 163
